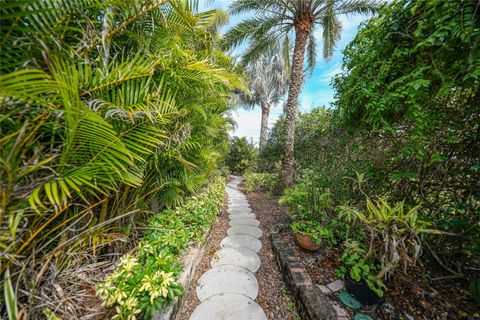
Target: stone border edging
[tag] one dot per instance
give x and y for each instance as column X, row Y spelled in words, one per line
column 312, row 302
column 190, row 261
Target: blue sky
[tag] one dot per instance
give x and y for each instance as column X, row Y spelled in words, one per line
column 317, row 90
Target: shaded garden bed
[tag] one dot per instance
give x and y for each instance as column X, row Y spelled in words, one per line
column 409, row 296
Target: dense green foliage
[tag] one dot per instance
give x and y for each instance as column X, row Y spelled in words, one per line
column 241, row 156
column 404, row 128
column 260, row 181
column 421, row 59
column 110, row 111
column 146, row 281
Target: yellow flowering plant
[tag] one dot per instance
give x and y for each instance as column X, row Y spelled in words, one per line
column 146, row 281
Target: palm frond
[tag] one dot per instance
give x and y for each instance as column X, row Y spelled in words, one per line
column 311, row 53
column 332, row 29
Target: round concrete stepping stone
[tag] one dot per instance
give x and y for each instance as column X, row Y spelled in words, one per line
column 241, row 215
column 242, row 241
column 244, row 203
column 239, row 203
column 242, row 257
column 244, row 229
column 242, row 212
column 236, row 197
column 239, row 206
column 246, row 221
column 227, row 279
column 239, row 210
column 228, row 306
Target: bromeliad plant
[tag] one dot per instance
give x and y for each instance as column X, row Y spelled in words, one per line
column 147, row 280
column 395, row 232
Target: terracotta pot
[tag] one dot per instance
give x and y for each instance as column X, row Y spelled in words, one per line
column 306, row 242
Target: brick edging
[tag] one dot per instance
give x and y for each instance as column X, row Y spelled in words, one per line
column 311, row 302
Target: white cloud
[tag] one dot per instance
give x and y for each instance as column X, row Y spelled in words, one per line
column 310, row 100
column 249, row 121
column 351, row 22
column 326, row 76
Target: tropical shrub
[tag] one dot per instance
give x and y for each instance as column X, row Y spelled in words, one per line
column 420, row 104
column 395, row 232
column 147, row 280
column 111, row 111
column 241, row 156
column 307, row 200
column 260, row 181
column 312, row 208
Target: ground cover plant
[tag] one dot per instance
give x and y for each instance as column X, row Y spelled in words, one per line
column 146, row 281
column 111, row 111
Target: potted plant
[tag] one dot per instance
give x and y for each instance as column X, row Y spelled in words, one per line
column 309, row 234
column 361, row 275
column 310, row 205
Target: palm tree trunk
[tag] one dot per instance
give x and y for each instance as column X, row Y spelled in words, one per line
column 296, row 81
column 264, row 126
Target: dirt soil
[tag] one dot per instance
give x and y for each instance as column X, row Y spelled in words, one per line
column 273, row 296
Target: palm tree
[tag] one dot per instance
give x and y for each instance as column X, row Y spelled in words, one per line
column 269, row 82
column 280, row 19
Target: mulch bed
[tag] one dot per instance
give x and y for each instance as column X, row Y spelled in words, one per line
column 408, row 297
column 273, row 296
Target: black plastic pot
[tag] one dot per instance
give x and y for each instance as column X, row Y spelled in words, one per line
column 362, row 292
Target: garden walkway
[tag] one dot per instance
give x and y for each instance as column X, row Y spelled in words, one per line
column 227, row 291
